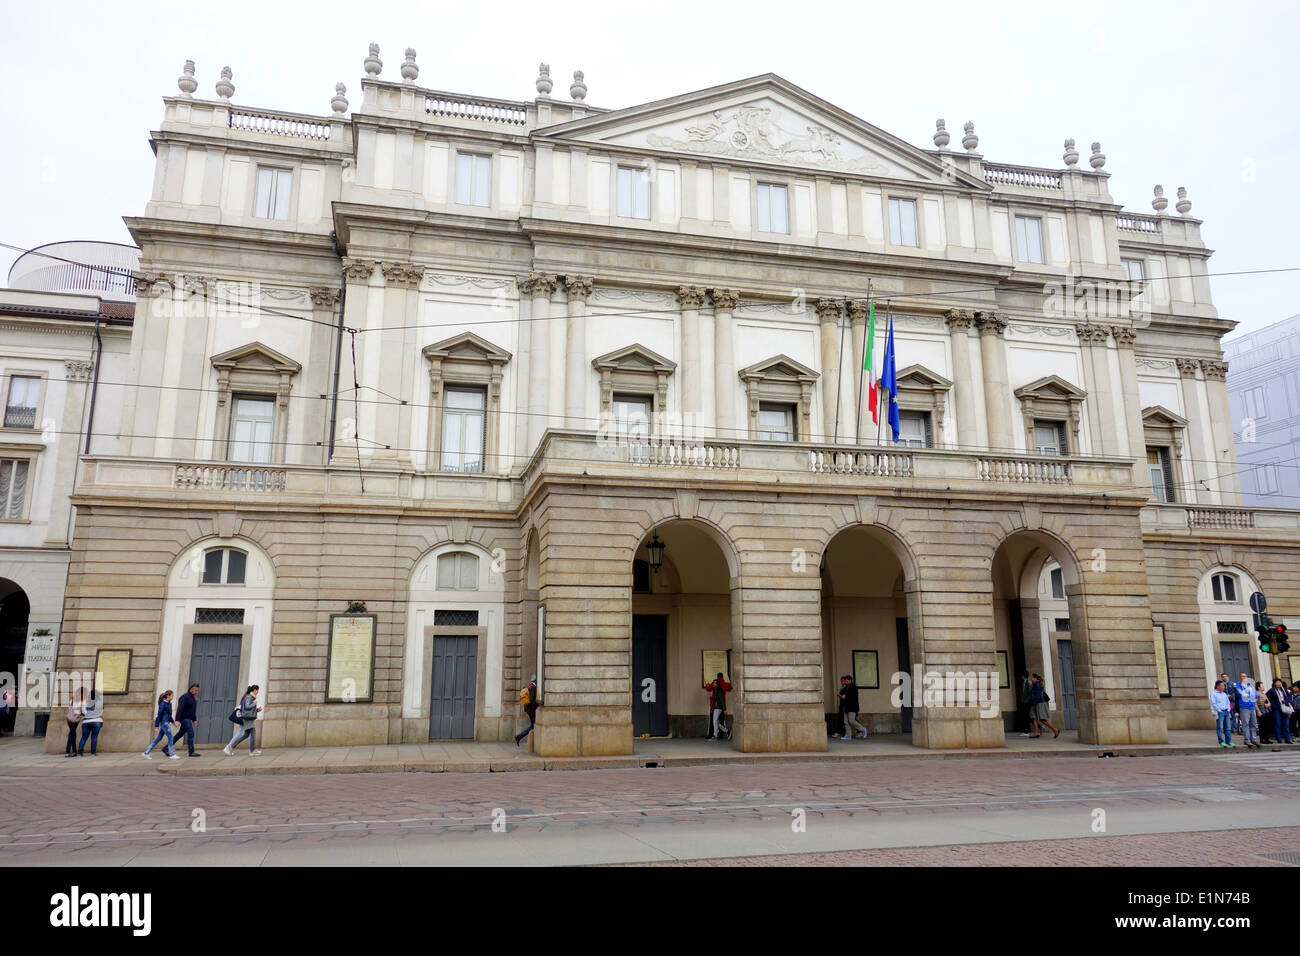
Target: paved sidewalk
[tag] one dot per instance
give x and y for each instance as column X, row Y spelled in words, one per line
column 23, row 756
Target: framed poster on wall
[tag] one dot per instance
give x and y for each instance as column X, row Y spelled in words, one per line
column 866, row 670
column 350, row 678
column 711, row 663
column 112, row 671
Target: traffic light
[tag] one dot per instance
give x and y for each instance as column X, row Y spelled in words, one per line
column 1265, row 633
column 1280, row 644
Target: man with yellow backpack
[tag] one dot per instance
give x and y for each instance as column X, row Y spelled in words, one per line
column 529, row 700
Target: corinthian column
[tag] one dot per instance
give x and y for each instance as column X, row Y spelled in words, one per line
column 357, row 274
column 1096, row 371
column 396, row 368
column 576, row 369
column 964, row 395
column 689, row 300
column 539, row 372
column 1220, row 420
column 828, row 314
column 724, row 360
column 997, row 389
column 1196, row 408
column 1137, row 442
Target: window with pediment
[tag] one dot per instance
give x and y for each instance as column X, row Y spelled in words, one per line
column 253, row 386
column 1052, row 409
column 775, row 385
column 1164, row 431
column 465, row 373
column 922, row 405
column 633, row 390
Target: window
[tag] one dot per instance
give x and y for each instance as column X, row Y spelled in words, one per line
column 462, row 430
column 1231, row 627
column 1049, row 438
column 273, row 188
column 224, row 566
column 1266, row 479
column 1058, row 583
column 458, row 571
column 20, row 410
column 775, row 423
column 1029, row 239
column 1224, row 588
column 473, row 180
column 640, row 576
column 631, row 416
column 13, row 486
column 914, row 430
column 1134, row 269
column 251, row 424
column 1061, row 623
column 1162, row 477
column 772, row 209
column 1254, row 401
column 219, row 615
column 633, row 193
column 902, row 222
column 443, row 618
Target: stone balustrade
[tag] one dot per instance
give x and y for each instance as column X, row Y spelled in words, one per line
column 1132, row 222
column 249, row 478
column 707, row 455
column 1023, row 176
column 464, row 107
column 280, row 124
column 1235, row 519
column 878, row 464
column 1045, row 470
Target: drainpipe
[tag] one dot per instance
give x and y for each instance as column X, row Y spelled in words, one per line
column 338, row 344
column 94, row 387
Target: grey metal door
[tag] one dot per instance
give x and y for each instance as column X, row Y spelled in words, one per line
column 454, row 681
column 1065, row 686
column 650, row 675
column 214, row 666
column 1236, row 659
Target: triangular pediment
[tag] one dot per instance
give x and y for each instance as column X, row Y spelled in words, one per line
column 764, row 120
column 1159, row 415
column 634, row 358
column 1050, row 386
column 466, row 345
column 255, row 357
column 779, row 367
column 918, row 376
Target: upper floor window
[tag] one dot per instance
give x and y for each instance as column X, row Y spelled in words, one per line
column 1029, row 239
column 1266, row 479
column 633, row 193
column 914, row 430
column 775, row 422
column 13, row 487
column 224, row 566
column 252, row 423
column 1058, row 585
column 1254, row 402
column 20, row 409
column 902, row 222
column 772, row 209
column 1224, row 587
column 1134, row 269
column 273, row 189
column 458, row 571
column 463, row 429
column 473, row 179
column 1049, row 438
column 1162, row 476
column 631, row 415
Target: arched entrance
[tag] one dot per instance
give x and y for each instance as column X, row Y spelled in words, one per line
column 14, row 612
column 684, row 619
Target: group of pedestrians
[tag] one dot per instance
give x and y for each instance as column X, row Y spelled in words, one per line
column 85, row 714
column 1034, row 706
column 1260, row 716
column 244, row 717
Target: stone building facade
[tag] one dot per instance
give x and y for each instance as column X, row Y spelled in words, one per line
column 577, row 392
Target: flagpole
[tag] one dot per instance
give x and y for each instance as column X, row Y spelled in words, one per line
column 862, row 374
column 839, row 372
column 883, row 414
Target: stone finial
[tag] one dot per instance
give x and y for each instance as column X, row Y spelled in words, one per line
column 1160, row 203
column 225, row 89
column 1098, row 158
column 409, row 70
column 941, row 137
column 544, row 84
column 1184, row 205
column 579, row 89
column 373, row 65
column 970, row 140
column 339, row 103
column 186, row 80
column 1071, row 155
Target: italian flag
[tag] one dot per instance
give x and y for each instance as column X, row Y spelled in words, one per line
column 868, row 366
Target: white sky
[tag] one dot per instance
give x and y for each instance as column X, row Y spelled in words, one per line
column 1202, row 95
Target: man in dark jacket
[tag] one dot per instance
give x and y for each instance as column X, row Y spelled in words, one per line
column 187, row 714
column 1279, row 697
column 530, row 708
column 717, row 690
column 849, row 708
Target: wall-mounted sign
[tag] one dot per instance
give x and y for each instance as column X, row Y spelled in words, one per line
column 715, row 661
column 41, row 651
column 112, row 671
column 351, row 673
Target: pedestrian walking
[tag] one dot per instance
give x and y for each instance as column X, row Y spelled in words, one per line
column 849, row 708
column 1039, row 710
column 718, row 688
column 247, row 712
column 92, row 723
column 1265, row 713
column 1281, row 709
column 75, row 711
column 1221, row 704
column 1230, row 689
column 1246, row 698
column 187, row 715
column 1025, row 709
column 528, row 697
column 163, row 721
column 8, row 701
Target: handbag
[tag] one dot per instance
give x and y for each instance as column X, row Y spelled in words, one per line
column 234, row 717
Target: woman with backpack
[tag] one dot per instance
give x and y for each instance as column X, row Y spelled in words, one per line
column 164, row 724
column 246, row 713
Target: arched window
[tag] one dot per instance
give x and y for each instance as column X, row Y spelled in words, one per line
column 1224, row 587
column 224, row 566
column 458, row 571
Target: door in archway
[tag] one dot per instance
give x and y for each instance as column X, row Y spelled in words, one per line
column 454, row 682
column 650, row 675
column 214, row 666
column 1069, row 700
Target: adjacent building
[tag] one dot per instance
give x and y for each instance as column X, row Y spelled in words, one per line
column 433, row 395
column 1264, row 393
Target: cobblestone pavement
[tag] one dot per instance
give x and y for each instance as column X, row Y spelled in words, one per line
column 1206, row 848
column 59, row 819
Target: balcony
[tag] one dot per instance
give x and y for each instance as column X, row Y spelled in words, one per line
column 1205, row 521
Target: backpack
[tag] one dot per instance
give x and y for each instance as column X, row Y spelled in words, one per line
column 525, row 697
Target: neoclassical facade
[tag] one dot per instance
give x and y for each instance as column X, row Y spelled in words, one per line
column 577, row 392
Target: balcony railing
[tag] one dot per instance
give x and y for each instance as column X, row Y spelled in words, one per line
column 279, row 124
column 1025, row 471
column 20, row 416
column 464, row 107
column 1136, row 223
column 1233, row 519
column 878, row 464
column 1023, row 176
column 229, row 478
column 708, row 455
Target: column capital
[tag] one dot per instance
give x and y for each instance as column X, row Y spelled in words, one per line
column 990, row 323
column 323, row 297
column 828, row 310
column 1187, row 367
column 542, row 284
column 1090, row 334
column 857, row 310
column 358, row 270
column 1214, row 370
column 77, row 371
column 690, row 296
column 578, row 288
column 724, row 300
column 402, row 275
column 957, row 320
column 1124, row 335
